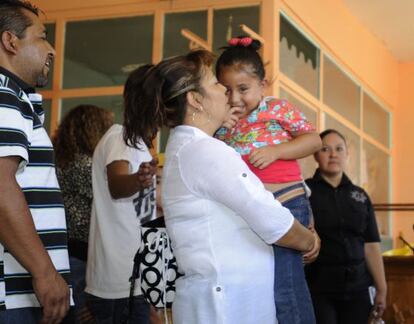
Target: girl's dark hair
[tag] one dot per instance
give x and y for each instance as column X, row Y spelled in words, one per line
column 332, row 131
column 132, row 105
column 79, row 132
column 161, row 101
column 242, row 55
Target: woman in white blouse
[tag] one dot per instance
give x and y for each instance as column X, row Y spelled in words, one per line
column 220, row 218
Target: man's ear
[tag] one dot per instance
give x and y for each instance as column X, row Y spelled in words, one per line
column 9, row 41
column 194, row 99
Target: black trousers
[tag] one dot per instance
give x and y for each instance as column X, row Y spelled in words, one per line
column 341, row 309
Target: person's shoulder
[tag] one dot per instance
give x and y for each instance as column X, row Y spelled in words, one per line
column 273, row 102
column 357, row 190
column 112, row 134
column 311, row 182
column 206, row 153
column 208, row 147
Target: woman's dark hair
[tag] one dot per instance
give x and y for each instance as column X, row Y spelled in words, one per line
column 242, row 55
column 161, row 101
column 332, row 131
column 79, row 132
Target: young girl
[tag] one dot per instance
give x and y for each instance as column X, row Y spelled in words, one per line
column 270, row 134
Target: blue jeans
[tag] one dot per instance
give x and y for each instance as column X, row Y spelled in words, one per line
column 112, row 311
column 77, row 280
column 292, row 297
column 29, row 315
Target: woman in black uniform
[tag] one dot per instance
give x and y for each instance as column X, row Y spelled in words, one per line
column 350, row 258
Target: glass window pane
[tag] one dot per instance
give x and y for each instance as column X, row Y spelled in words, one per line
column 375, row 180
column 50, row 29
column 299, row 58
column 340, row 92
column 376, row 121
column 47, row 107
column 102, row 52
column 375, row 173
column 174, row 42
column 307, row 164
column 112, row 103
column 227, row 21
column 352, row 139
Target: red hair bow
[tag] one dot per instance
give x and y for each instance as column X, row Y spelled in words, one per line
column 245, row 41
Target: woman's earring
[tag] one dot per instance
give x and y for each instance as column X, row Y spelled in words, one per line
column 196, row 111
column 208, row 117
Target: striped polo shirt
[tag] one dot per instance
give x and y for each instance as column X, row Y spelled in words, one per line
column 22, row 134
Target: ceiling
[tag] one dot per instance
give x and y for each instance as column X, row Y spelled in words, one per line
column 391, row 21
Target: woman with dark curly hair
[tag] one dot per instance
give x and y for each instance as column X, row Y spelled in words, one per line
column 74, row 143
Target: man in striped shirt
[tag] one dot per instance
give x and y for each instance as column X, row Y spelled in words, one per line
column 33, row 250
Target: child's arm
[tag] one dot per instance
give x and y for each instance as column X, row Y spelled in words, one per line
column 300, row 146
column 123, row 184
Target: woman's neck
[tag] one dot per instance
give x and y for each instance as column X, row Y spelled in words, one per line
column 206, row 125
column 333, row 179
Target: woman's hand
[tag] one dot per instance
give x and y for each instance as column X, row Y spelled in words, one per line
column 380, row 302
column 311, row 256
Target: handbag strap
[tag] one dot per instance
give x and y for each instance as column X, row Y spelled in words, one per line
column 162, row 238
column 127, row 314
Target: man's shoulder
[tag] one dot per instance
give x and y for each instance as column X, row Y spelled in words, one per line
column 14, row 97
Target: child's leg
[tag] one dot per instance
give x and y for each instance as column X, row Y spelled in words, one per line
column 293, row 301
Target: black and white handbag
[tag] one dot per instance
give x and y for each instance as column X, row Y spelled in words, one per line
column 155, row 265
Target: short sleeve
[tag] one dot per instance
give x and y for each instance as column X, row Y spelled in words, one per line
column 212, row 170
column 371, row 233
column 16, row 126
column 117, row 150
column 289, row 117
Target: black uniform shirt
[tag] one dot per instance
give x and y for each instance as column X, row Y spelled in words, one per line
column 345, row 221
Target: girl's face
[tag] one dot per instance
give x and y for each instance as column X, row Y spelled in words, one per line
column 244, row 90
column 333, row 155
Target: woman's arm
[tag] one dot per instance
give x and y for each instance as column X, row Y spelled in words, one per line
column 376, row 268
column 299, row 238
column 300, row 146
column 214, row 171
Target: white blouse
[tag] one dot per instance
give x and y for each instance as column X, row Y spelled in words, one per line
column 219, row 217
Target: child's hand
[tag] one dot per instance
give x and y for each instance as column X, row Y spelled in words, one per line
column 233, row 117
column 263, row 156
column 154, row 165
column 145, row 174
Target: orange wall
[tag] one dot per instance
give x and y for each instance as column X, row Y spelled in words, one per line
column 367, row 58
column 345, row 37
column 403, row 164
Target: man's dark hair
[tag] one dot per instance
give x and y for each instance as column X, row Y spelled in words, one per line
column 13, row 18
